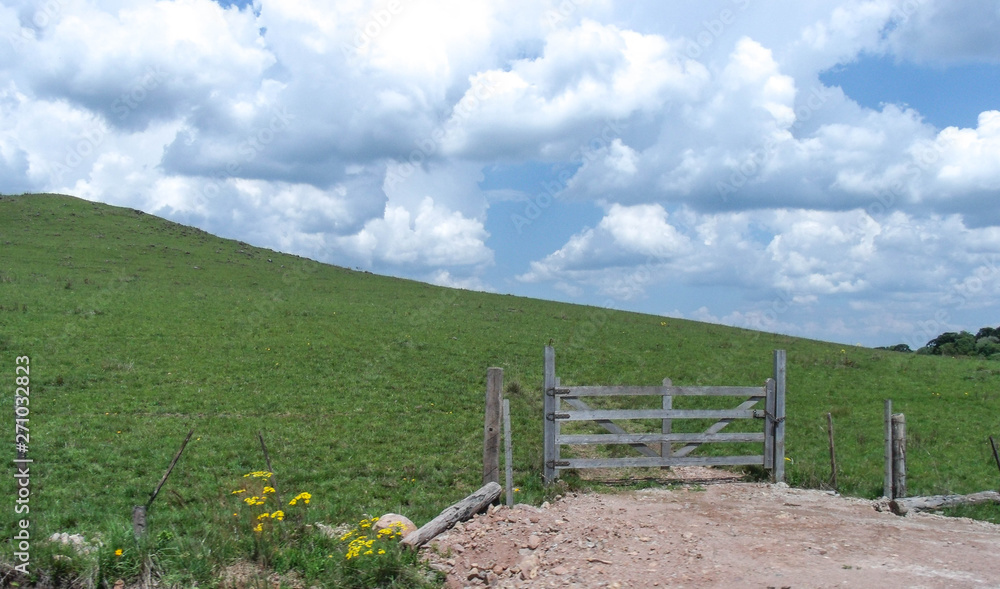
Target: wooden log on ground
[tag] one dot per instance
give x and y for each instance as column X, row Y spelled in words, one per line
column 453, row 514
column 902, row 506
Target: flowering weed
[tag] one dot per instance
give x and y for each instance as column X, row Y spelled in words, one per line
column 265, row 517
column 375, row 558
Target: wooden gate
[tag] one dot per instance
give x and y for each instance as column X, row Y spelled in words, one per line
column 658, row 448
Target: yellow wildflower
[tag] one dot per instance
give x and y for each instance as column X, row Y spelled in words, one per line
column 278, row 515
column 305, row 497
column 268, row 490
column 118, row 552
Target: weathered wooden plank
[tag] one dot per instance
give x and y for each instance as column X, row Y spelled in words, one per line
column 903, row 505
column 654, row 438
column 647, row 461
column 716, row 427
column 613, row 428
column 549, row 448
column 453, row 514
column 673, row 391
column 611, row 414
column 491, row 425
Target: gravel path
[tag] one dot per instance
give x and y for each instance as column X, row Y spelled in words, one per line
column 717, row 535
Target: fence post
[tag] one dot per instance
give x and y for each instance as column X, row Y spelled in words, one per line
column 898, row 455
column 887, row 421
column 833, row 451
column 779, row 415
column 491, row 426
column 508, row 454
column 549, row 454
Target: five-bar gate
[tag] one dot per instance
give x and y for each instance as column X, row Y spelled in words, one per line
column 657, row 448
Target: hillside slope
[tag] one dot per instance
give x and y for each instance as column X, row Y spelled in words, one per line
column 368, row 389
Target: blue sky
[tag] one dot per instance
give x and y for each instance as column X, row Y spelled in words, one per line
column 826, row 169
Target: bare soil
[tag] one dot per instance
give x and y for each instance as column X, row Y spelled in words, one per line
column 716, row 535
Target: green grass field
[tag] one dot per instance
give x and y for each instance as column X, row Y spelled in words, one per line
column 369, row 390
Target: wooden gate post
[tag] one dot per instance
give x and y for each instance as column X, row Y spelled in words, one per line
column 550, row 451
column 779, row 416
column 491, row 426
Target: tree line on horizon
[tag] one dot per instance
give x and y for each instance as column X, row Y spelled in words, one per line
column 984, row 343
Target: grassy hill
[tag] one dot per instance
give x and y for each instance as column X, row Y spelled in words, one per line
column 368, row 389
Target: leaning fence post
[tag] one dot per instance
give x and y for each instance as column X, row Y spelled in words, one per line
column 491, row 426
column 139, row 511
column 549, row 472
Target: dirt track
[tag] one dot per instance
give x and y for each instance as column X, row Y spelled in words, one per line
column 718, row 535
